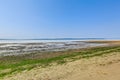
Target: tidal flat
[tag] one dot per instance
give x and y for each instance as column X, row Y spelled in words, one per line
column 9, row 49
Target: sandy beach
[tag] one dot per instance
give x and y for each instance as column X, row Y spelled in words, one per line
column 59, row 39
column 97, row 63
column 98, row 68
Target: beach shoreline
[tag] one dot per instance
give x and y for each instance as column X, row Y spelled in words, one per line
column 85, row 63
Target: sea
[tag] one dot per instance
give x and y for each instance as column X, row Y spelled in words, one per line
column 52, row 40
column 47, row 40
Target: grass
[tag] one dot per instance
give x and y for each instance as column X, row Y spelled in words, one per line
column 14, row 64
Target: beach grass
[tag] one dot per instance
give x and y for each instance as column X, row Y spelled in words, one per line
column 14, row 64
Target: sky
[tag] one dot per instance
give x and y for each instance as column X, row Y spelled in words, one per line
column 59, row 19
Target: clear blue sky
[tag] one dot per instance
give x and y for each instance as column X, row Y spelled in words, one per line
column 59, row 18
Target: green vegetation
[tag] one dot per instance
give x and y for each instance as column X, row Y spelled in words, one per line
column 14, row 64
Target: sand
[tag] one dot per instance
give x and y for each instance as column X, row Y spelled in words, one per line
column 105, row 67
column 97, row 68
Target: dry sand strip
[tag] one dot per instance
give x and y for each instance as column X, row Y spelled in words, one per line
column 105, row 67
